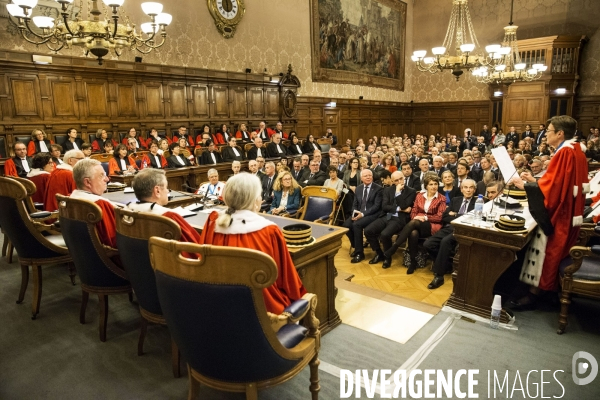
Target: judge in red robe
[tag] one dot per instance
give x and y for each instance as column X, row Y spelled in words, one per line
column 556, row 202
column 152, row 191
column 39, row 175
column 91, row 183
column 61, row 179
column 153, row 159
column 38, row 143
column 241, row 226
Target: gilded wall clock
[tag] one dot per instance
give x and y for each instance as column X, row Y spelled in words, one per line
column 227, row 15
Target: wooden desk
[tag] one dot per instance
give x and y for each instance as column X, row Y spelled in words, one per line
column 176, row 198
column 314, row 264
column 483, row 256
column 176, row 177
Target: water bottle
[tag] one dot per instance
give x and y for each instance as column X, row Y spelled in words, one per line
column 478, row 211
column 496, row 310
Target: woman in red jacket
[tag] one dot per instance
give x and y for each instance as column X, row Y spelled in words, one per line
column 426, row 219
column 39, row 143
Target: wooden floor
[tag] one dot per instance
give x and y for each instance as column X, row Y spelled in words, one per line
column 393, row 280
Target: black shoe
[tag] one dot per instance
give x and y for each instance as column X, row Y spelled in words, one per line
column 410, row 271
column 377, row 259
column 358, row 258
column 525, row 303
column 438, row 280
column 353, row 253
column 387, row 263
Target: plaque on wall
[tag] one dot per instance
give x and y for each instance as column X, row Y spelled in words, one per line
column 358, row 42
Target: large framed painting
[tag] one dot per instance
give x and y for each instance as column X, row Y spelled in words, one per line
column 359, row 42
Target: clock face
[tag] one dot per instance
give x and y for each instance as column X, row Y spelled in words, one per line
column 227, row 8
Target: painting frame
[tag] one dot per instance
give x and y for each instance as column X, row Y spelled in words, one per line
column 321, row 58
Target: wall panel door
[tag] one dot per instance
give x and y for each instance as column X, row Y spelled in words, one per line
column 63, row 98
column 219, row 102
column 154, row 100
column 200, row 101
column 256, row 103
column 272, row 103
column 96, row 99
column 126, row 100
column 177, row 104
column 239, row 103
column 25, row 95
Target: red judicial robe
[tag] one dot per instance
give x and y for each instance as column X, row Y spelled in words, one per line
column 40, row 179
column 149, row 161
column 33, row 147
column 107, row 227
column 250, row 230
column 10, row 168
column 564, row 186
column 188, row 234
column 114, row 167
column 61, row 182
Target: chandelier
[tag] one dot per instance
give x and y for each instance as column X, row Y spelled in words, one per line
column 508, row 68
column 460, row 36
column 97, row 36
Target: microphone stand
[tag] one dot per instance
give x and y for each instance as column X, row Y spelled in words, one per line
column 508, row 194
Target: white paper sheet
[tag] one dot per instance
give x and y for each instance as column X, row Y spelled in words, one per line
column 504, row 162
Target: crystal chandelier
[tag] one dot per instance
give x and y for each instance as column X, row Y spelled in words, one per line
column 460, row 36
column 508, row 68
column 97, row 36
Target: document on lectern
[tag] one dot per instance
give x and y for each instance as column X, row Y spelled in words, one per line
column 504, row 162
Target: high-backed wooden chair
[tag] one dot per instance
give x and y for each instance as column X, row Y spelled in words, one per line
column 104, row 159
column 579, row 274
column 134, row 229
column 97, row 272
column 319, row 204
column 34, row 249
column 215, row 310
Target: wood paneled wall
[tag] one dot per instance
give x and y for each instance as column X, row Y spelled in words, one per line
column 587, row 112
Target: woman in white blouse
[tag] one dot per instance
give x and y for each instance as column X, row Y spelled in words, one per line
column 333, row 181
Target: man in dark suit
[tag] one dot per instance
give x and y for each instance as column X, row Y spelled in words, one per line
column 276, row 148
column 319, row 159
column 231, row 152
column 438, row 166
column 395, row 213
column 527, row 133
column 441, row 246
column 540, row 135
column 297, row 171
column 487, row 135
column 258, row 150
column 315, row 177
column 20, row 164
column 211, row 156
column 512, row 136
column 267, row 185
column 410, row 180
column 452, row 162
column 376, row 168
column 365, row 209
column 253, row 169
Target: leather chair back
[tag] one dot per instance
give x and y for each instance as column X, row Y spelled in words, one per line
column 134, row 229
column 319, row 203
column 3, row 152
column 91, row 258
column 215, row 309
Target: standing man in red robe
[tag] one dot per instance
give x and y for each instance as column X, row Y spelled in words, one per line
column 151, row 189
column 61, row 179
column 91, row 181
column 556, row 202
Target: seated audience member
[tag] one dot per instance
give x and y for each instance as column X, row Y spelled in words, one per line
column 295, row 147
column 132, row 134
column 20, row 164
column 38, row 143
column 154, row 136
column 438, row 166
column 121, row 163
column 176, row 159
column 395, row 214
column 185, row 151
column 261, row 163
column 91, row 180
column 132, row 146
column 236, row 167
column 225, row 134
column 385, row 178
column 182, row 133
column 365, row 209
column 276, row 149
column 449, row 190
column 258, row 150
column 423, row 170
column 101, row 139
column 426, row 220
column 410, row 180
column 462, row 173
column 213, row 188
column 210, row 156
column 279, row 130
column 154, row 159
column 319, row 158
column 315, row 177
column 231, row 152
column 389, row 162
column 108, row 148
column 163, row 146
column 537, row 171
column 263, row 132
column 334, row 181
column 253, row 169
column 488, row 177
column 61, row 179
column 41, row 167
column 282, row 165
column 204, row 136
column 310, row 145
column 73, row 142
column 286, row 195
column 243, row 135
column 152, row 191
column 55, row 153
column 442, row 244
column 86, row 149
column 297, row 170
column 240, row 226
column 268, row 180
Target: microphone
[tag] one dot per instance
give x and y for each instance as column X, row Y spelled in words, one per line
column 507, row 194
